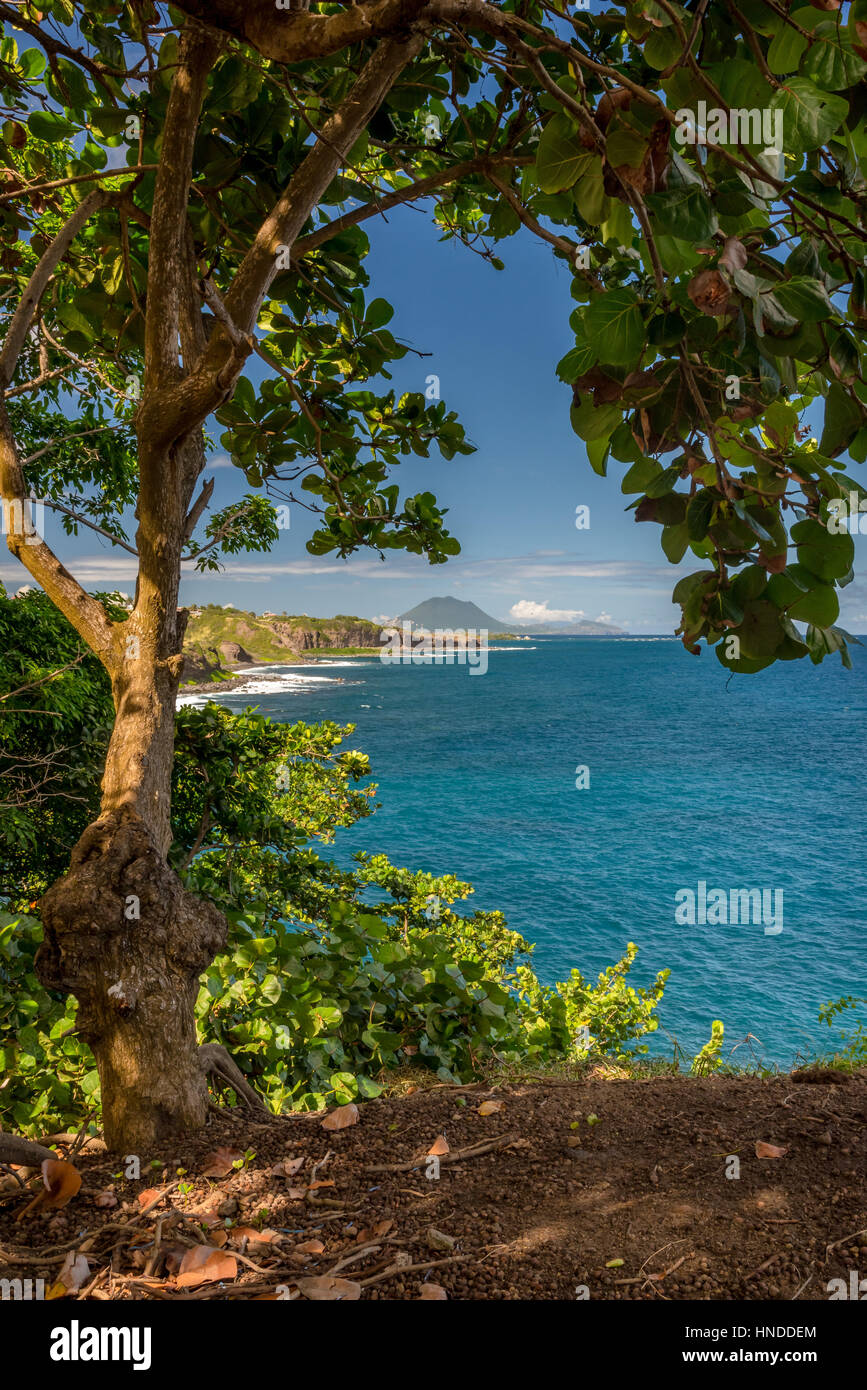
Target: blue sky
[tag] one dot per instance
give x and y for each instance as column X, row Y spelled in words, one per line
column 495, row 339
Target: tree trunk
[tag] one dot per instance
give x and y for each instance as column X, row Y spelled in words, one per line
column 121, row 932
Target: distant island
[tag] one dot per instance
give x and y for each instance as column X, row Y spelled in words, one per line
column 459, row 614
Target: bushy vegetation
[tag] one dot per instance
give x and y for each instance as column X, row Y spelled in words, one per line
column 332, row 979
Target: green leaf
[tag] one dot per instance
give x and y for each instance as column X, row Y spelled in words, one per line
column 48, row 125
column 832, row 64
column 614, row 327
column 807, row 299
column 560, row 158
column 810, row 116
column 820, row 606
column 699, row 513
column 786, row 48
column 590, row 197
column 674, row 541
column 685, row 213
column 843, row 419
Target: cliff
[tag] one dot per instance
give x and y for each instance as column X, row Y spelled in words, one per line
column 221, row 638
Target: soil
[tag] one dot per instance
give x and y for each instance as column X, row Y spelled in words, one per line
column 634, row 1204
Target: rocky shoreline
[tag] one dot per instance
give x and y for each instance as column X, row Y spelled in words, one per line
column 245, row 673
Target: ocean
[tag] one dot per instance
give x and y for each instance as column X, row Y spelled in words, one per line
column 693, row 778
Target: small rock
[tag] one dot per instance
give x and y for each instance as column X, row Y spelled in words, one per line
column 438, row 1240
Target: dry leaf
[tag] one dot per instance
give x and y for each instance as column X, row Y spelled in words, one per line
column 287, row 1168
column 342, row 1117
column 438, row 1147
column 764, row 1150
column 144, row 1198
column 431, row 1293
column 105, row 1199
column 62, row 1181
column 309, row 1247
column 490, row 1107
column 74, row 1272
column 320, row 1182
column 205, row 1265
column 328, row 1288
column 296, row 1194
column 252, row 1236
column 374, row 1232
column 220, row 1163
column 173, row 1256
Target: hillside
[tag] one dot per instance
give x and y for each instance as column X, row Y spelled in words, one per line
column 457, row 613
column 218, row 638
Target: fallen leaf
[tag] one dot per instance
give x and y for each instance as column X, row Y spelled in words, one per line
column 490, row 1107
column 764, row 1150
column 62, row 1181
column 431, row 1293
column 205, row 1265
column 144, row 1198
column 220, row 1163
column 296, row 1194
column 74, row 1272
column 374, row 1232
column 173, row 1256
column 105, row 1199
column 342, row 1117
column 438, row 1147
column 614, row 1264
column 287, row 1168
column 320, row 1182
column 309, row 1247
column 252, row 1236
column 327, row 1288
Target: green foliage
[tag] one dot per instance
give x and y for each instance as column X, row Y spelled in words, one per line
column 332, row 978
column 49, row 1079
column 709, row 1059
column 853, row 1051
column 55, row 718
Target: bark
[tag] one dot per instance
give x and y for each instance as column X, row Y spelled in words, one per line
column 124, row 936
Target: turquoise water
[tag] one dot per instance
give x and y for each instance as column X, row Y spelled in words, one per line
column 749, row 782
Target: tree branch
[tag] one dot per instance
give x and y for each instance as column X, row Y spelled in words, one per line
column 86, row 614
column 168, row 232
column 419, row 189
column 183, row 406
column 22, row 319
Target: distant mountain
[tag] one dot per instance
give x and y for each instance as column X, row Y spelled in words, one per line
column 458, row 614
column 453, row 613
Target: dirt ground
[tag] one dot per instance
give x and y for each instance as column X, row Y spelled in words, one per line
column 608, row 1189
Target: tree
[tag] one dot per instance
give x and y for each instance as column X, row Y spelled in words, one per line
column 717, row 253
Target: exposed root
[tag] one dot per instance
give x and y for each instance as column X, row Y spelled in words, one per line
column 216, row 1062
column 24, row 1151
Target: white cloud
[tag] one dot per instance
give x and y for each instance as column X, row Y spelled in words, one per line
column 604, row 618
column 526, row 610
